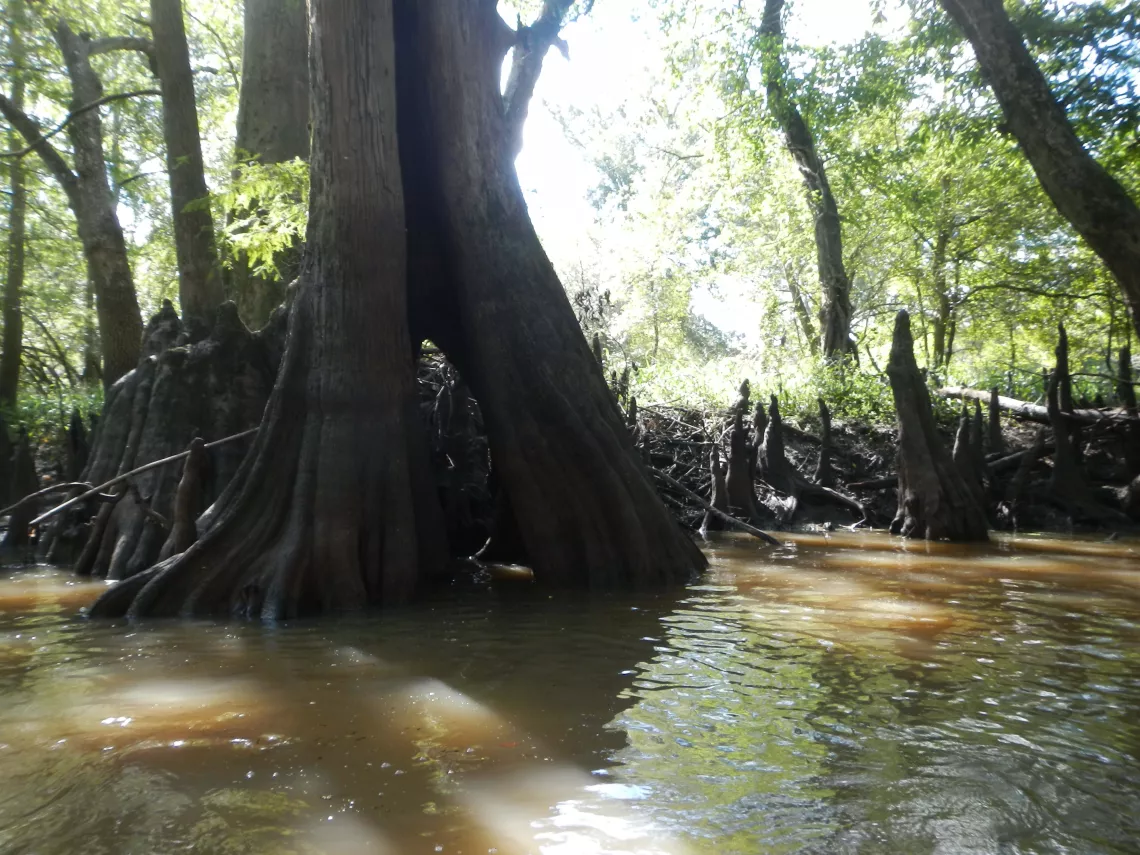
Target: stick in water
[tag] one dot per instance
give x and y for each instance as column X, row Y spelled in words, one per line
column 677, row 485
column 120, row 478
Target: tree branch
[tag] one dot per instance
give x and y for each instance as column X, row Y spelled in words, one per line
column 530, row 47
column 114, row 43
column 30, row 130
column 78, row 111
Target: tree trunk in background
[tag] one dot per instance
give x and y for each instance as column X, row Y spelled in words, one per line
column 934, row 500
column 585, row 505
column 942, row 316
column 11, row 350
column 836, row 320
column 1094, row 203
column 272, row 126
column 120, row 322
column 200, row 286
column 334, row 509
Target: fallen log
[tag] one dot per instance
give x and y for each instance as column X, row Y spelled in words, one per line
column 1037, row 413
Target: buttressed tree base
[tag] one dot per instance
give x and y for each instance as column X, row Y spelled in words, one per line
column 418, row 229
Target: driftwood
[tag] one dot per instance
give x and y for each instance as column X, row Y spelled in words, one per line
column 118, row 479
column 681, row 488
column 1037, row 413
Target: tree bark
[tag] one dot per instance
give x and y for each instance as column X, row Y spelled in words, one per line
column 934, row 500
column 272, row 127
column 944, row 309
column 1094, row 203
column 200, row 286
column 11, row 348
column 583, row 499
column 996, row 443
column 333, row 510
column 836, row 285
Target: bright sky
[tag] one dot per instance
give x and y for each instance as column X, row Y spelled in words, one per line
column 613, row 52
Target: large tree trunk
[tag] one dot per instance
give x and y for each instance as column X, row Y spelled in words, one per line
column 836, row 285
column 333, row 510
column 210, row 388
column 11, row 349
column 1097, row 206
column 934, row 500
column 272, row 127
column 200, row 286
column 583, row 501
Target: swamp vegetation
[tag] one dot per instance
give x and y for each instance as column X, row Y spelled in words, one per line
column 736, row 444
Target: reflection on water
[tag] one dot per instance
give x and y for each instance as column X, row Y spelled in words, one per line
column 842, row 694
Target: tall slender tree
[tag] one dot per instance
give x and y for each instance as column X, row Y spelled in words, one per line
column 200, row 286
column 833, row 279
column 11, row 348
column 89, row 195
column 1097, row 206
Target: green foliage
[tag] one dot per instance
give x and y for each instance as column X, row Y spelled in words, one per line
column 269, row 209
column 697, row 200
column 47, row 417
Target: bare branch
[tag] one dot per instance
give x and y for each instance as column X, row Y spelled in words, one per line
column 114, row 43
column 30, row 130
column 43, row 138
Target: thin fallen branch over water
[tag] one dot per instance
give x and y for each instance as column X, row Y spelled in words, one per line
column 46, row 491
column 677, row 485
column 118, row 479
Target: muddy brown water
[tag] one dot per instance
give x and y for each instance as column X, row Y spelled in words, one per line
column 842, row 694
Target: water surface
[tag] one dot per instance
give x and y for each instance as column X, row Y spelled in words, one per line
column 843, row 694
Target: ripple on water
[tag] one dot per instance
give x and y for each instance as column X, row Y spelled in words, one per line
column 844, row 694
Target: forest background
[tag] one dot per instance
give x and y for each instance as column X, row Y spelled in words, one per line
column 663, row 190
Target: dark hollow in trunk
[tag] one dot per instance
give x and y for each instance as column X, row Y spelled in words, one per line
column 935, row 502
